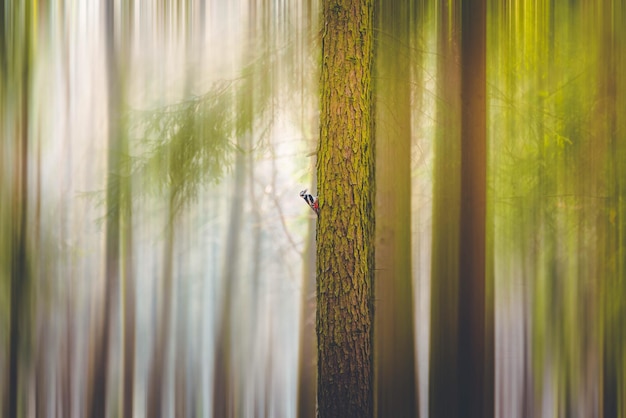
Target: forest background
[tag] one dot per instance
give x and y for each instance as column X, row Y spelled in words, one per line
column 156, row 259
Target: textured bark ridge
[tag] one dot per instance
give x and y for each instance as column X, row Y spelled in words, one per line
column 345, row 253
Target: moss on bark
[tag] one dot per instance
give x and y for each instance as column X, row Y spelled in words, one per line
column 345, row 230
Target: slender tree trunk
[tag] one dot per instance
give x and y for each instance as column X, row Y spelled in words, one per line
column 180, row 364
column 158, row 368
column 609, row 228
column 41, row 371
column 224, row 402
column 98, row 395
column 20, row 274
column 307, row 362
column 443, row 377
column 475, row 338
column 19, row 263
column 394, row 348
column 255, row 318
column 462, row 328
column 129, row 294
column 129, row 301
column 345, row 229
column 66, row 360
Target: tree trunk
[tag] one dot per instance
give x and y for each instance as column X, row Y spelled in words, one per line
column 224, row 380
column 158, row 367
column 394, row 348
column 475, row 338
column 129, row 301
column 443, row 377
column 98, row 395
column 307, row 361
column 20, row 275
column 609, row 228
column 345, row 229
column 462, row 329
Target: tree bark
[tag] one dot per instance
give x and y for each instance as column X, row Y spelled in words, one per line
column 345, row 229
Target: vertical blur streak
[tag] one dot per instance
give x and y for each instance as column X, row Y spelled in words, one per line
column 97, row 403
column 120, row 64
column 157, row 402
column 443, row 376
column 394, row 345
column 475, row 344
column 307, row 350
column 461, row 332
column 307, row 365
column 610, row 18
column 226, row 402
column 16, row 72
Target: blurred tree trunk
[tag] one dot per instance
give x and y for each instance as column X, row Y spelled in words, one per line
column 41, row 370
column 117, row 209
column 65, row 364
column 307, row 356
column 543, row 245
column 128, row 294
column 461, row 322
column 181, row 371
column 611, row 218
column 345, row 241
column 475, row 344
column 394, row 348
column 127, row 275
column 129, row 301
column 66, row 357
column 224, row 383
column 158, row 367
column 443, row 377
column 16, row 86
column 261, row 396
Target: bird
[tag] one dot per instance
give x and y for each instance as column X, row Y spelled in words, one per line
column 311, row 200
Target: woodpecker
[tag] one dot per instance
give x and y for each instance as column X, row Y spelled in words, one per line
column 311, row 200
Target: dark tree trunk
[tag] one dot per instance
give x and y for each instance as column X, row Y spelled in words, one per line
column 19, row 268
column 98, row 395
column 475, row 344
column 443, row 378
